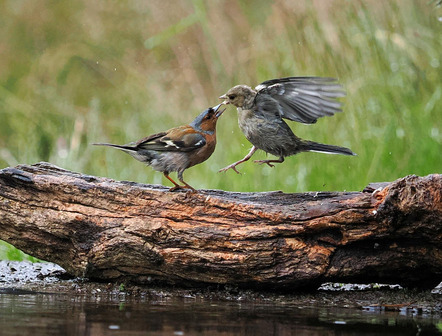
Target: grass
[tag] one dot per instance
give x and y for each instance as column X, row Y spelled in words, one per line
column 76, row 73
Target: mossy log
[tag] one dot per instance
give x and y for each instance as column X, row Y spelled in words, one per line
column 108, row 230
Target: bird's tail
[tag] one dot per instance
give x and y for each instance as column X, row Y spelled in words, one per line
column 143, row 156
column 125, row 148
column 311, row 146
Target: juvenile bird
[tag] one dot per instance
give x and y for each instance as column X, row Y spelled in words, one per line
column 179, row 148
column 261, row 112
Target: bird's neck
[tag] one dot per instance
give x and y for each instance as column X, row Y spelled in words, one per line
column 249, row 100
column 199, row 129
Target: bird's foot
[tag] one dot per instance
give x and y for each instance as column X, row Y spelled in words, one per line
column 267, row 162
column 189, row 188
column 177, row 187
column 232, row 166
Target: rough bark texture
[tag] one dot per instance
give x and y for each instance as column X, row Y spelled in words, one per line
column 120, row 231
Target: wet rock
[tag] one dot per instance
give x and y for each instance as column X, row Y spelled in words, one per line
column 22, row 272
column 345, row 287
column 437, row 289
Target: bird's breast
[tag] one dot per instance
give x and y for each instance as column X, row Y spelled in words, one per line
column 203, row 153
column 244, row 116
column 249, row 123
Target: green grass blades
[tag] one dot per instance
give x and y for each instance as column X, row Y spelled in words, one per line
column 74, row 73
column 80, row 73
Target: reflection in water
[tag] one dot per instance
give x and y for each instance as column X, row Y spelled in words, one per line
column 54, row 314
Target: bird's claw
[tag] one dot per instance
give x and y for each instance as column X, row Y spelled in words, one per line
column 232, row 166
column 178, row 187
column 264, row 161
column 175, row 188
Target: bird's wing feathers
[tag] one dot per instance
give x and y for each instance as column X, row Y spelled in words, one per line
column 174, row 140
column 267, row 107
column 304, row 99
column 150, row 138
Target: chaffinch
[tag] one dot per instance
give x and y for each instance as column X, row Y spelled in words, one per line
column 261, row 112
column 179, row 148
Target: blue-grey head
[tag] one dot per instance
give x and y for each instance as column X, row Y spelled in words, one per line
column 206, row 121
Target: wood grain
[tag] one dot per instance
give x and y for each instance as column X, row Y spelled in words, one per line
column 108, row 230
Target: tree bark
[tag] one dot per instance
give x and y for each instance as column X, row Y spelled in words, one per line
column 108, row 230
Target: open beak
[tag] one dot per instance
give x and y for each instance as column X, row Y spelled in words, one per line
column 226, row 101
column 218, row 112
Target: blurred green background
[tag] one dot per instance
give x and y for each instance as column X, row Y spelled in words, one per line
column 73, row 73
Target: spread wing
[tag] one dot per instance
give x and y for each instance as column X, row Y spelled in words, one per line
column 304, row 99
column 180, row 139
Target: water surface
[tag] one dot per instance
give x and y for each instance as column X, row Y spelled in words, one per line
column 66, row 314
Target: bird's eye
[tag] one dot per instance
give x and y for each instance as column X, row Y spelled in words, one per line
column 231, row 97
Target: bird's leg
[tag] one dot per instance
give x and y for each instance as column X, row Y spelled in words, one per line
column 233, row 165
column 269, row 162
column 177, row 186
column 180, row 177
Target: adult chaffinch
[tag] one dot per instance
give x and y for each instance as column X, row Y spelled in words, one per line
column 261, row 112
column 179, row 148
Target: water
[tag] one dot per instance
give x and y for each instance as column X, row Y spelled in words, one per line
column 66, row 314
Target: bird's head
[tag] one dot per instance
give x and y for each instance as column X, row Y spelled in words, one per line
column 240, row 96
column 206, row 121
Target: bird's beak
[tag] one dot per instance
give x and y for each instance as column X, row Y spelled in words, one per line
column 226, row 100
column 216, row 108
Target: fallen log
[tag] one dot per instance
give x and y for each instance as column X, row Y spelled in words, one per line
column 108, row 230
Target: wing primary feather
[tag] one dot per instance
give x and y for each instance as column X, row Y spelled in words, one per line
column 304, row 99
